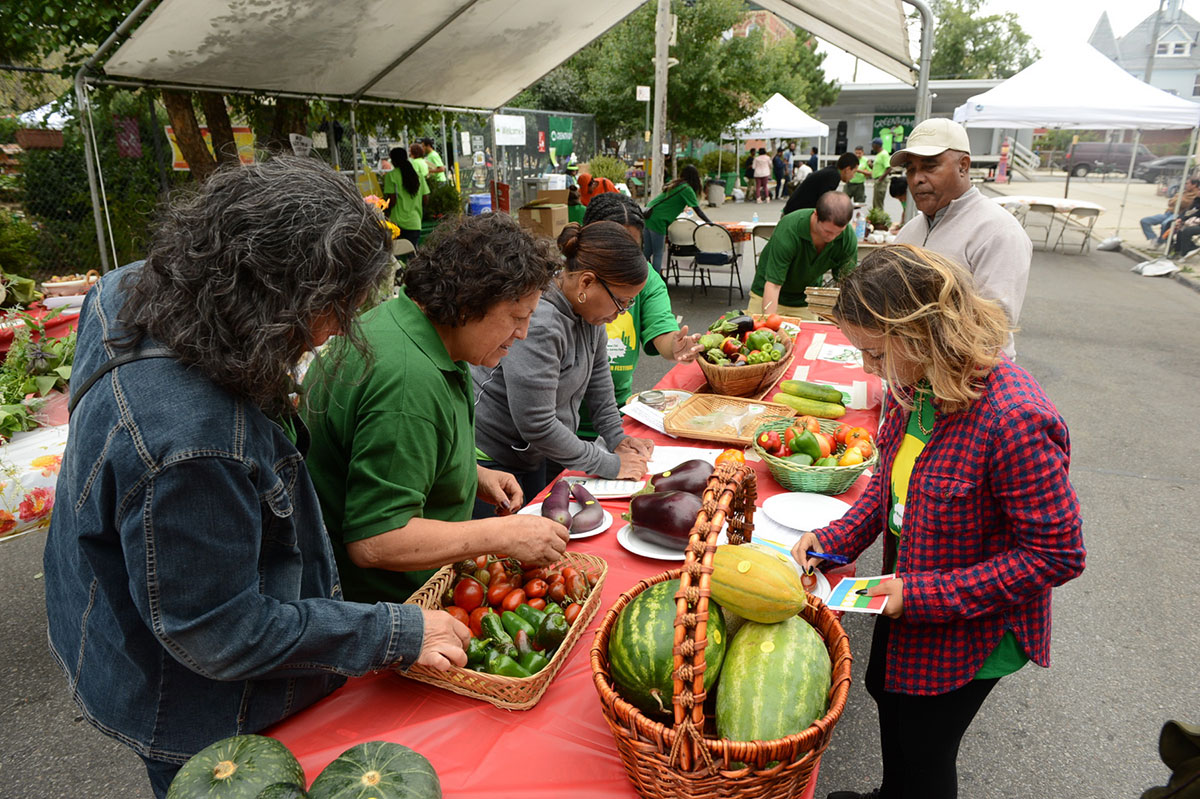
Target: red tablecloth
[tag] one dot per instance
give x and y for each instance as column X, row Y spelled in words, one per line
column 57, row 327
column 561, row 746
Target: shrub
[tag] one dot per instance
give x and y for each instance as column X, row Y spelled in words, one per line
column 692, row 161
column 444, row 201
column 18, row 244
column 603, row 166
column 879, row 219
column 716, row 162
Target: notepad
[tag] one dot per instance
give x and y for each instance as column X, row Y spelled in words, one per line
column 846, row 598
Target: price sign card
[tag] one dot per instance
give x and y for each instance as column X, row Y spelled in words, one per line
column 845, row 596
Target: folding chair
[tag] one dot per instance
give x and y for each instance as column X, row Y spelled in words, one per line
column 716, row 251
column 681, row 243
column 1036, row 212
column 401, row 249
column 1080, row 220
column 760, row 231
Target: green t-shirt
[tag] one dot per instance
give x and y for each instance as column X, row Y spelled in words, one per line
column 882, row 162
column 648, row 318
column 406, row 214
column 859, row 177
column 422, row 167
column 575, row 213
column 390, row 445
column 791, row 261
column 666, row 207
column 434, row 159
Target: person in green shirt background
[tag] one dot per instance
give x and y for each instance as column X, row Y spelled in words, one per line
column 856, row 186
column 405, row 188
column 806, row 244
column 879, row 169
column 437, row 167
column 648, row 324
column 392, row 453
column 416, row 154
column 666, row 207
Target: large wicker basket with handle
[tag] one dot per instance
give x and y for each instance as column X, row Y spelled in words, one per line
column 687, row 759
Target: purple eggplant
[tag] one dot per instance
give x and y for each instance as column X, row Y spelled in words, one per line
column 665, row 517
column 690, row 476
column 590, row 516
column 557, row 505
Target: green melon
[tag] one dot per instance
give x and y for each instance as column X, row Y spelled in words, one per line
column 377, row 770
column 236, row 768
column 775, row 681
column 283, row 790
column 640, row 653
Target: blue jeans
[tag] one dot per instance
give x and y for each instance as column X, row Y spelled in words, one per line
column 652, row 248
column 1162, row 220
column 160, row 773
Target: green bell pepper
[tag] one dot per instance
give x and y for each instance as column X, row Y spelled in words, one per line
column 801, row 459
column 761, row 339
column 828, row 460
column 553, row 607
column 505, row 666
column 806, row 442
column 477, row 651
column 533, row 662
column 530, row 614
column 493, row 629
column 552, row 631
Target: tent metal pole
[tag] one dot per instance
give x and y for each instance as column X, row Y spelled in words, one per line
column 445, row 152
column 1137, row 139
column 923, row 102
column 1187, row 168
column 353, row 145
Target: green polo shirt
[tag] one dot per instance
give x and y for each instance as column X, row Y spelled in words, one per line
column 434, row 158
column 666, row 207
column 863, row 163
column 791, row 261
column 880, row 167
column 395, row 443
column 407, row 212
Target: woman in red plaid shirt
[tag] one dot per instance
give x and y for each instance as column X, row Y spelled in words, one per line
column 973, row 500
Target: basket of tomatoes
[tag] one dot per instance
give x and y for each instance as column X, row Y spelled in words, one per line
column 744, row 356
column 524, row 623
column 819, row 456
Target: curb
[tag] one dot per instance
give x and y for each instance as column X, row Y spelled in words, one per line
column 1189, row 279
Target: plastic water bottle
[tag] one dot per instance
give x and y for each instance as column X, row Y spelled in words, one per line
column 754, row 218
column 860, row 225
column 688, row 212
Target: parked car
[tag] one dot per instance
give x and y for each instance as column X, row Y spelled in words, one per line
column 1169, row 168
column 1102, row 156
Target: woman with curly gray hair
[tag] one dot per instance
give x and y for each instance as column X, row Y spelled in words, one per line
column 191, row 592
column 393, row 440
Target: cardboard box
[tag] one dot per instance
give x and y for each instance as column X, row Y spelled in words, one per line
column 543, row 217
column 553, row 195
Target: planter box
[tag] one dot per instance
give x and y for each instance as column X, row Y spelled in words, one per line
column 39, row 139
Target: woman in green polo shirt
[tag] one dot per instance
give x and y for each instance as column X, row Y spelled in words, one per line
column 405, row 188
column 393, row 443
column 665, row 209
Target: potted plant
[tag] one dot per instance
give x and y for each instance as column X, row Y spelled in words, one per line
column 444, row 202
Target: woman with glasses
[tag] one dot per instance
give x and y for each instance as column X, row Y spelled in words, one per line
column 527, row 408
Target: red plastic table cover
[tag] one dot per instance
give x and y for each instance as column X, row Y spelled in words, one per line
column 57, row 327
column 564, row 743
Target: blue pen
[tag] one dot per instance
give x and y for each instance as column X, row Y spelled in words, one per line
column 829, row 556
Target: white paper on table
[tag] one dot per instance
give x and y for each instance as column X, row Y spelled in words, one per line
column 646, row 415
column 841, row 353
column 814, row 349
column 669, row 457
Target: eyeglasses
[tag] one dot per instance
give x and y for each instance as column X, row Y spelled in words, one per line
column 620, row 308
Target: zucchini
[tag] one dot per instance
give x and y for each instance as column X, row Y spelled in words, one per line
column 813, row 391
column 811, row 407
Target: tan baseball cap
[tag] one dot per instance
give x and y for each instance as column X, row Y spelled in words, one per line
column 933, row 137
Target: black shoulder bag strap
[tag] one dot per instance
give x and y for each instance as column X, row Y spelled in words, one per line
column 113, row 363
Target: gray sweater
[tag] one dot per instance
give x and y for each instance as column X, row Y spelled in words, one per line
column 527, row 408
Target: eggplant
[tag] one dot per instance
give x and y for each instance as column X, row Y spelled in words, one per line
column 591, row 515
column 744, row 324
column 665, row 517
column 690, row 476
column 557, row 505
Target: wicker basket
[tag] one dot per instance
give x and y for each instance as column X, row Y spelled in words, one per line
column 676, row 422
column 687, row 759
column 821, row 300
column 813, row 479
column 512, row 693
column 748, row 381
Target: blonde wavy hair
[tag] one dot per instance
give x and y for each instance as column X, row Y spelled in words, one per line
column 926, row 309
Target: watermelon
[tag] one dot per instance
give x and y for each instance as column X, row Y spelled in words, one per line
column 775, row 681
column 377, row 770
column 640, row 652
column 282, row 790
column 236, row 768
column 756, row 583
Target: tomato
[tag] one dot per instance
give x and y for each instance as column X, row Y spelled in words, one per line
column 840, row 434
column 460, row 614
column 568, row 571
column 497, row 591
column 468, row 594
column 536, row 588
column 774, row 321
column 851, row 457
column 865, row 447
column 555, row 578
column 484, row 576
column 858, row 434
column 495, row 568
column 557, row 592
column 571, row 612
column 828, row 445
column 577, row 587
column 537, row 603
column 759, row 324
column 514, row 598
column 481, row 562
column 731, row 456
column 535, row 574
column 808, row 423
column 476, row 618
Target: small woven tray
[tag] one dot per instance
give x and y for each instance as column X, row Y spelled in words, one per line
column 812, row 479
column 678, row 421
column 512, row 693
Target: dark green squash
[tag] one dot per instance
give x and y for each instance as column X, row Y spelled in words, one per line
column 282, row 790
column 377, row 770
column 236, row 768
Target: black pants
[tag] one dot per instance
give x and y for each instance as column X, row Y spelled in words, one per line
column 531, row 483
column 919, row 735
column 1185, row 239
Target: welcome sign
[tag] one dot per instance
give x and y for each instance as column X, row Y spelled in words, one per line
column 509, row 130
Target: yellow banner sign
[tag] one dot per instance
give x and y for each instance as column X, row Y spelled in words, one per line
column 243, row 137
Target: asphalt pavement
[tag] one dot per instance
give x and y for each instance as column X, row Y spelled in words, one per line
column 1120, row 356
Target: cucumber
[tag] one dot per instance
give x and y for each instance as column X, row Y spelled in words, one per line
column 811, row 407
column 813, row 391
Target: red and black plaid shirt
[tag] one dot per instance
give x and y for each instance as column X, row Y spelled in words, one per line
column 991, row 524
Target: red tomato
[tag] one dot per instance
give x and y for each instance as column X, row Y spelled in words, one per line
column 571, row 612
column 557, row 591
column 828, row 445
column 863, row 446
column 808, row 423
column 497, row 591
column 555, row 578
column 515, row 598
column 495, row 568
column 839, row 435
column 474, row 622
column 577, row 587
column 481, row 562
column 468, row 594
column 774, row 321
column 858, row 434
column 536, row 588
column 538, row 603
column 459, row 614
column 568, row 571
column 536, row 574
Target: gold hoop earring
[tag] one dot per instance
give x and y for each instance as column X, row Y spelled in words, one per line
column 581, row 297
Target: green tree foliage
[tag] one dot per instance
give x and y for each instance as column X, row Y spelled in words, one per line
column 969, row 44
column 795, row 72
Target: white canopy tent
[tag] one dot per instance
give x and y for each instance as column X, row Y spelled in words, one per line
column 779, row 118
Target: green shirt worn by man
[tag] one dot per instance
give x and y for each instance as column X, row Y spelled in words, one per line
column 666, row 207
column 434, row 159
column 792, row 262
column 859, row 177
column 406, row 213
column 880, row 167
column 390, row 445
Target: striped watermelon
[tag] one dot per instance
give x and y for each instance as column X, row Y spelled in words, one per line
column 775, row 681
column 640, row 648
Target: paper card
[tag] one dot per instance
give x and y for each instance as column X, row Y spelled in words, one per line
column 600, row 488
column 841, row 353
column 845, row 595
column 646, row 415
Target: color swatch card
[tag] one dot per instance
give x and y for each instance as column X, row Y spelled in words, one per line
column 845, row 596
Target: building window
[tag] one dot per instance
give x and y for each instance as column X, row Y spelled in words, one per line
column 1161, row 49
column 1172, row 48
column 1179, row 48
column 1196, row 86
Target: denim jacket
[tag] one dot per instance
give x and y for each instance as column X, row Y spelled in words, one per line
column 191, row 591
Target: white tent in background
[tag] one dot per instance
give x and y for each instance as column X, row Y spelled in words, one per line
column 779, row 118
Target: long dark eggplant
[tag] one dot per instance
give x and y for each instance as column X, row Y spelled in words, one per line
column 690, row 476
column 557, row 505
column 590, row 515
column 665, row 517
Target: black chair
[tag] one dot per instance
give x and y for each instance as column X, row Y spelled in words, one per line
column 681, row 243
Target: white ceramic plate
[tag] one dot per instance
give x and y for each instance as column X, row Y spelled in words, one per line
column 605, row 523
column 804, row 511
column 648, row 549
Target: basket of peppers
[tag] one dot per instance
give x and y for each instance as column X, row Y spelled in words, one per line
column 744, row 356
column 820, row 456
